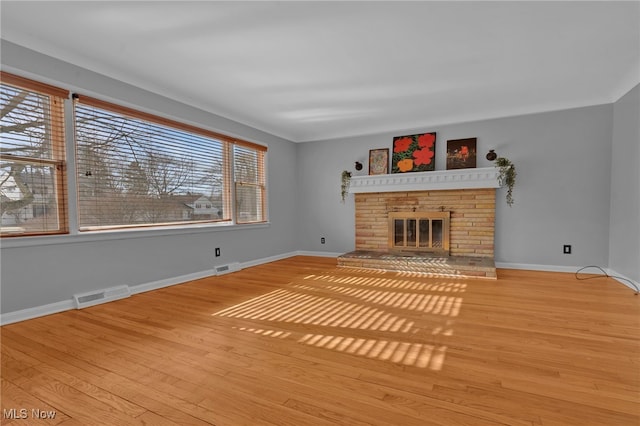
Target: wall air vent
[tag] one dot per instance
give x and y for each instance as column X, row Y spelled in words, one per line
column 225, row 269
column 85, row 300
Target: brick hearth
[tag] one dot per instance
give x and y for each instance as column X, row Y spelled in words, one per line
column 449, row 266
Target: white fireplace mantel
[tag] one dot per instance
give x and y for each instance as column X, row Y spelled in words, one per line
column 486, row 177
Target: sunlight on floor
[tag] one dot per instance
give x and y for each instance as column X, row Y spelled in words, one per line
column 414, row 271
column 268, row 333
column 405, row 353
column 411, row 317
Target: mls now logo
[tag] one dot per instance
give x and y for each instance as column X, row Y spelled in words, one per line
column 23, row 413
column 14, row 413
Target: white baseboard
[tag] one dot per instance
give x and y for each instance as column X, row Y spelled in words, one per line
column 267, row 259
column 317, row 253
column 535, row 267
column 154, row 285
column 623, row 279
column 571, row 269
column 35, row 312
column 65, row 305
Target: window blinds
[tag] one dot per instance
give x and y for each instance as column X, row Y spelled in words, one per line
column 32, row 155
column 136, row 169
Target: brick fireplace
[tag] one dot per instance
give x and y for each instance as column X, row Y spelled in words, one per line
column 468, row 197
column 472, row 213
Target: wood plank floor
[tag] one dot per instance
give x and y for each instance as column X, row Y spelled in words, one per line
column 302, row 342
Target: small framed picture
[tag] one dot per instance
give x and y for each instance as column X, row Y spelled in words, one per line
column 461, row 153
column 379, row 161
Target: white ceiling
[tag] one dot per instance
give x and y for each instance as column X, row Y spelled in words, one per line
column 319, row 70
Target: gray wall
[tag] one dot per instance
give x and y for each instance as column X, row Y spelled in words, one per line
column 563, row 160
column 44, row 273
column 624, row 236
column 565, row 192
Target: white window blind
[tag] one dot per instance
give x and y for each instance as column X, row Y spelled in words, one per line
column 135, row 169
column 248, row 166
column 32, row 154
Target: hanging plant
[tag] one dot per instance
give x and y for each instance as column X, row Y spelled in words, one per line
column 344, row 187
column 507, row 176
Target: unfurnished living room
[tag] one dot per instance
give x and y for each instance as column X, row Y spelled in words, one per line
column 314, row 213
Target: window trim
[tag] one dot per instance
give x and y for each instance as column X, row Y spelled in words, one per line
column 57, row 97
column 261, row 184
column 66, row 183
column 134, row 113
column 228, row 183
column 127, row 234
column 36, row 86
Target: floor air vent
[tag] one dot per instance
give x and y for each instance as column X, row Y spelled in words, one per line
column 225, row 269
column 101, row 296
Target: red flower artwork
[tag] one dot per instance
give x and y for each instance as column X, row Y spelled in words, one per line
column 414, row 153
column 423, row 156
column 426, row 140
column 401, row 145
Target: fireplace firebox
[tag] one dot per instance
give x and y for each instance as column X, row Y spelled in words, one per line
column 419, row 232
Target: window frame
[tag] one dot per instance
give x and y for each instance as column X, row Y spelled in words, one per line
column 260, row 185
column 66, row 183
column 228, row 183
column 57, row 162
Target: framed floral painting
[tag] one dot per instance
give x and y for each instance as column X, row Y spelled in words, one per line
column 414, row 153
column 379, row 161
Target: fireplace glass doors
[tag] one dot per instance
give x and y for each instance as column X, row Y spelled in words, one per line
column 419, row 231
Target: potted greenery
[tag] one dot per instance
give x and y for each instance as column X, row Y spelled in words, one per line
column 345, row 181
column 507, row 176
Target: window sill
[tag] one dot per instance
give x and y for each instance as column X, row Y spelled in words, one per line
column 123, row 234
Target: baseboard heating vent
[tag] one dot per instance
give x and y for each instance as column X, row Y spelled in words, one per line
column 230, row 267
column 85, row 300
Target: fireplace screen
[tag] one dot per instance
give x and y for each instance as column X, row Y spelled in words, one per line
column 419, row 231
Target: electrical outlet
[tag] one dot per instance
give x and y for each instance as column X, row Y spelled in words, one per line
column 322, row 240
column 566, row 249
column 217, row 251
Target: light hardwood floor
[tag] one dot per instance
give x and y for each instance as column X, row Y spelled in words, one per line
column 301, row 342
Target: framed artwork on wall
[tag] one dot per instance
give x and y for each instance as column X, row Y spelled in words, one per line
column 414, row 153
column 461, row 153
column 379, row 161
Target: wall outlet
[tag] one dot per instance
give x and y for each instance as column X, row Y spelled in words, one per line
column 217, row 251
column 566, row 249
column 322, row 240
